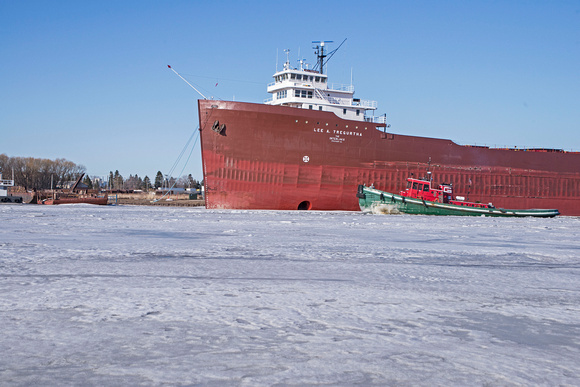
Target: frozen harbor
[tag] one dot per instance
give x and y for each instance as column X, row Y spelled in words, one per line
column 131, row 295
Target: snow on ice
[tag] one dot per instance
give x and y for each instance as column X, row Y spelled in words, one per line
column 127, row 295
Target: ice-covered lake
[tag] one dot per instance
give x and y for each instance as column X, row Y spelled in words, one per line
column 127, row 295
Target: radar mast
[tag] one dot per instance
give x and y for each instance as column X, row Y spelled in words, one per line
column 320, row 62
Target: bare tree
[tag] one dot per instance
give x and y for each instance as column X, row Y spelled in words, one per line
column 35, row 173
column 182, row 182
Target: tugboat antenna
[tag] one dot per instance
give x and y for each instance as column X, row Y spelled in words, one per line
column 185, row 80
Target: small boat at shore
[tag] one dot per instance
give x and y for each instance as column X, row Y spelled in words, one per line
column 420, row 198
column 73, row 196
column 65, row 198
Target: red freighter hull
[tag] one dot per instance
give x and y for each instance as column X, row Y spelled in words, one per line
column 277, row 157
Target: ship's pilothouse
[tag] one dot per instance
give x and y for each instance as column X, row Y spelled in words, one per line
column 309, row 89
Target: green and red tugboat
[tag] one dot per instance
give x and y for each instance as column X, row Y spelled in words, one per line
column 421, row 199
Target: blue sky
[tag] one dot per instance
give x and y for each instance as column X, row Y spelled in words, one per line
column 88, row 80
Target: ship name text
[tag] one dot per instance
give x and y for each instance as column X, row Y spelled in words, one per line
column 337, row 132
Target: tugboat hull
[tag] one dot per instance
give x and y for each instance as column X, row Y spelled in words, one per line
column 380, row 202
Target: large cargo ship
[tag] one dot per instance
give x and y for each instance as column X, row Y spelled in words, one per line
column 313, row 143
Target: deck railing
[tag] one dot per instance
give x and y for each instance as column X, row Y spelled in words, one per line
column 329, row 86
column 365, row 103
column 340, row 87
column 376, row 119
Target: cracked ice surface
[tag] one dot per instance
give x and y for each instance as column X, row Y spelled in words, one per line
column 131, row 295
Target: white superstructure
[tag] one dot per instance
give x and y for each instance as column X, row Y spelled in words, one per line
column 4, row 184
column 309, row 89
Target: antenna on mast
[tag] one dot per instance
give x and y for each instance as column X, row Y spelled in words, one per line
column 287, row 64
column 299, row 58
column 185, row 80
column 320, row 53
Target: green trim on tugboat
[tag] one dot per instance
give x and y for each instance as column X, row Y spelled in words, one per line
column 374, row 200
